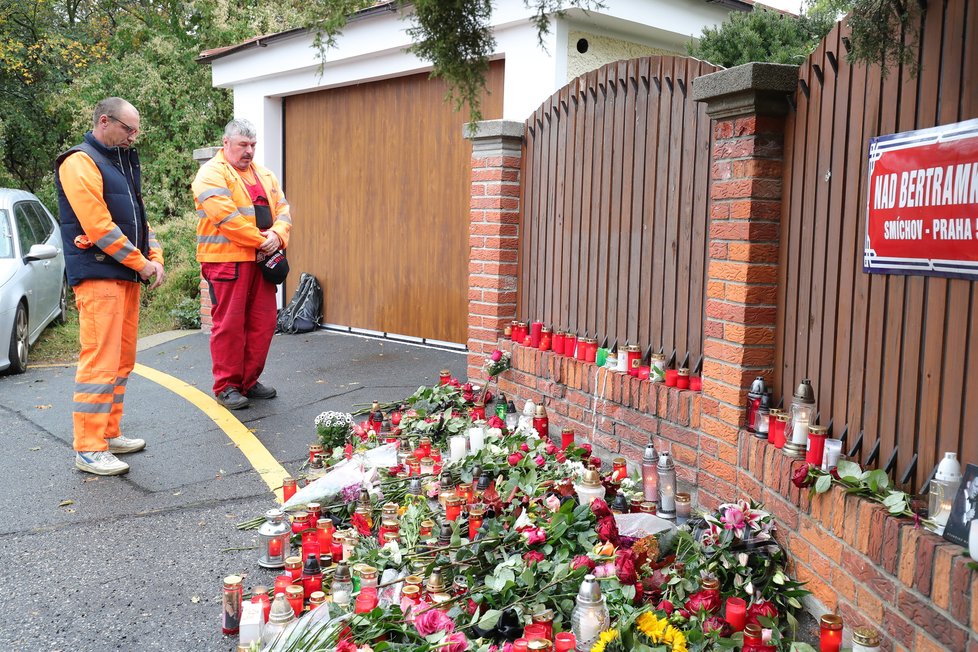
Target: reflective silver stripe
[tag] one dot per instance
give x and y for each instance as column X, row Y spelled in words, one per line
column 154, row 244
column 212, row 192
column 284, row 217
column 152, row 234
column 94, row 388
column 92, row 408
column 230, row 217
column 212, row 239
column 121, row 381
column 247, row 210
column 118, row 398
column 109, row 238
column 202, row 214
column 126, row 249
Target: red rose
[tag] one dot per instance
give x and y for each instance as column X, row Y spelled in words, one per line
column 551, row 448
column 359, row 521
column 525, row 447
column 608, row 530
column 454, row 382
column 539, row 461
column 587, row 448
column 708, row 601
column 496, row 422
column 533, row 556
column 595, row 463
column 600, row 508
column 666, row 606
column 718, row 625
column 561, row 457
column 801, row 477
column 761, row 609
column 394, row 470
column 625, row 566
column 583, row 561
column 514, row 459
column 346, row 646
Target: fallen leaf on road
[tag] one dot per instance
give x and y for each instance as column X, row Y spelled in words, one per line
column 90, row 479
column 178, row 493
column 319, row 382
column 195, row 599
column 65, row 503
column 42, row 407
column 35, row 448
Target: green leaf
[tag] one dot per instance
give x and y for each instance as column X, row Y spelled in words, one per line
column 489, row 619
column 849, row 470
column 878, row 480
column 823, row 483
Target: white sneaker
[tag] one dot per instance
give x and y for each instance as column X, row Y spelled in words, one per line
column 122, row 444
column 100, row 463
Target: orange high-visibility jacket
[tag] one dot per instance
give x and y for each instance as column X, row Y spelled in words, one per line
column 226, row 228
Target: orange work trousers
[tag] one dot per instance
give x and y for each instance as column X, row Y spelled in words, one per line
column 108, row 316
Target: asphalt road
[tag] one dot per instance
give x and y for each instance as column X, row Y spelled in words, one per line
column 135, row 562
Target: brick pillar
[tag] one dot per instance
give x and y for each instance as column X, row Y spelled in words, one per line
column 203, row 155
column 494, row 219
column 747, row 104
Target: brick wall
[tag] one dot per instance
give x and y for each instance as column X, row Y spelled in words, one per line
column 872, row 568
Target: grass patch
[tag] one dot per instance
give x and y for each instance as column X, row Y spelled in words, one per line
column 168, row 307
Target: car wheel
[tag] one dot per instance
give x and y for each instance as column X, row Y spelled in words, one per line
column 62, row 315
column 19, row 346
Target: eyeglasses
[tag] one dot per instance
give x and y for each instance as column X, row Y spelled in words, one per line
column 130, row 130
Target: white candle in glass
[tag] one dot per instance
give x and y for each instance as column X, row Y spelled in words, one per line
column 457, row 447
column 476, row 439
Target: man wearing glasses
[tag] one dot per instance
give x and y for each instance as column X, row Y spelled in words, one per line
column 109, row 250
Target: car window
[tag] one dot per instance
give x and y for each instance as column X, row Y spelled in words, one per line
column 25, row 231
column 6, row 235
column 42, row 224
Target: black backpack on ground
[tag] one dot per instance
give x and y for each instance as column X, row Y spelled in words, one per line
column 305, row 310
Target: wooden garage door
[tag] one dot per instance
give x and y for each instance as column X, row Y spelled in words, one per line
column 378, row 178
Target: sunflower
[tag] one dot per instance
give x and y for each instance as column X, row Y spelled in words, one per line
column 607, row 638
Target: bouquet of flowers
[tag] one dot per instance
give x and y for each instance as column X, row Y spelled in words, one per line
column 334, row 429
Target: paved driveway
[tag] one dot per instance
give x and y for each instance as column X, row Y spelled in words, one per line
column 135, row 562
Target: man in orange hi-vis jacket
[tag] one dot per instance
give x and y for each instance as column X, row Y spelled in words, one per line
column 109, row 250
column 242, row 211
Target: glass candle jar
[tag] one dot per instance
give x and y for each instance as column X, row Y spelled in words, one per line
column 314, row 450
column 368, row 577
column 300, row 521
column 414, row 465
column 830, row 633
column 865, row 639
column 317, row 599
column 619, row 469
column 566, row 437
column 658, row 364
column 326, row 529
column 735, row 613
column 476, row 515
column 444, row 376
column 570, row 344
column 633, row 359
column 453, row 508
column 231, row 605
column 294, row 595
column 591, row 488
column 288, row 489
column 683, row 507
column 427, row 466
column 259, row 596
column 682, row 378
column 349, row 544
column 426, row 528
column 282, row 582
column 342, row 586
column 293, row 567
column 802, row 415
column 667, row 486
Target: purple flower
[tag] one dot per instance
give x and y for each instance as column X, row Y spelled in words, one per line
column 351, row 493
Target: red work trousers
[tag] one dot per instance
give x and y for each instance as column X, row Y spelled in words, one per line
column 243, row 314
column 108, row 316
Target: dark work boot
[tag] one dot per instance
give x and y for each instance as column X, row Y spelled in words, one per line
column 232, row 399
column 261, row 391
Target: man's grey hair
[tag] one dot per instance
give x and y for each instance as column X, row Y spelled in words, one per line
column 240, row 127
column 110, row 106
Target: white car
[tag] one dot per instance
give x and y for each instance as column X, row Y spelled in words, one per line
column 33, row 287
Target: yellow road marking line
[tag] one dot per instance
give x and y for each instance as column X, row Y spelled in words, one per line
column 267, row 466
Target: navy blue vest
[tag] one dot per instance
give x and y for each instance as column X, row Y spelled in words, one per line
column 122, row 191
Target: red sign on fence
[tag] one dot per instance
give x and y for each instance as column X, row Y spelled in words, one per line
column 922, row 215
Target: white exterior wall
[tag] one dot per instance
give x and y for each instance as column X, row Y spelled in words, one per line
column 372, row 48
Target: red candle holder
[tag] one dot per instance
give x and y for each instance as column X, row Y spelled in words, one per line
column 682, row 378
column 453, row 508
column 633, row 359
column 566, row 437
column 282, row 582
column 536, row 329
column 558, row 343
column 570, row 344
column 776, row 428
column 315, row 449
column 288, row 489
column 672, row 375
column 582, row 349
column 565, row 642
column 736, row 613
column 300, row 521
column 478, row 412
column 696, row 383
column 534, row 631
column 644, row 371
column 592, row 350
column 546, row 339
column 816, row 444
column 476, row 514
column 521, row 645
column 830, row 635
